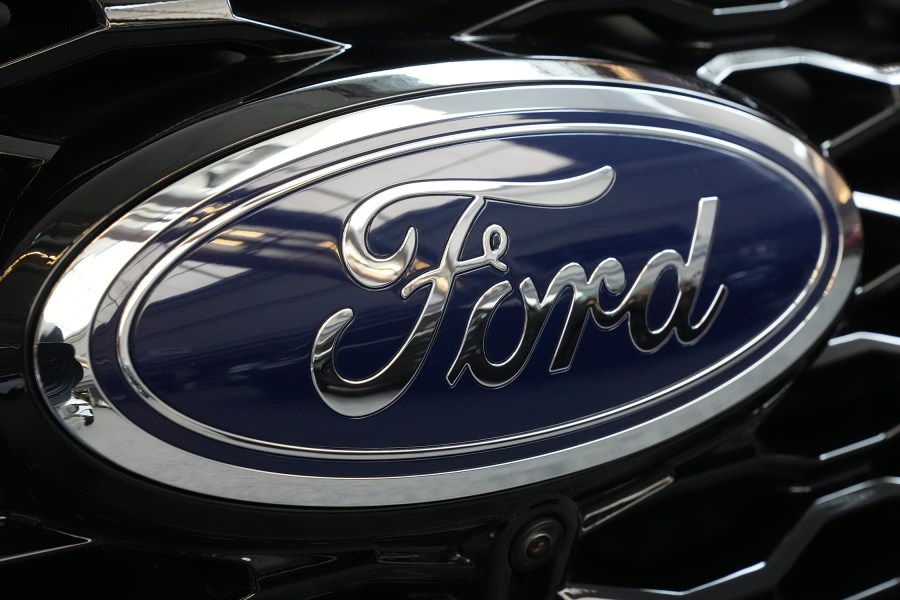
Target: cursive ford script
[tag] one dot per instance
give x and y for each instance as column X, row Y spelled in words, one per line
column 363, row 397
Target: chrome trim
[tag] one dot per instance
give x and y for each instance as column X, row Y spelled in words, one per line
column 847, row 346
column 121, row 14
column 598, row 516
column 851, row 344
column 878, row 591
column 130, row 14
column 762, row 576
column 879, row 204
column 862, row 444
column 723, row 66
column 855, row 344
column 73, row 300
column 883, row 284
column 471, row 33
column 167, row 10
column 755, row 8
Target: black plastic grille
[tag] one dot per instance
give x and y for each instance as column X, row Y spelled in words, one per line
column 801, row 503
column 802, row 500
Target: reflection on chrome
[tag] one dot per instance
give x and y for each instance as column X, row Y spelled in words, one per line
column 76, row 409
column 610, row 275
column 167, row 10
column 363, row 397
column 359, row 398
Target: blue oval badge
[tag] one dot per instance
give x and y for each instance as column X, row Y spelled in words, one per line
column 458, row 293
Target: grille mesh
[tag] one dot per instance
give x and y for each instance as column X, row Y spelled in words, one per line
column 793, row 506
column 793, row 503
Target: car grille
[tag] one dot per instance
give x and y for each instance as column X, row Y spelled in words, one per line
column 794, row 504
column 801, row 499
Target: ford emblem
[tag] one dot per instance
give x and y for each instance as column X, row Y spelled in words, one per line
column 453, row 279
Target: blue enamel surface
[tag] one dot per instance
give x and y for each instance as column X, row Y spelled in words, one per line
column 225, row 336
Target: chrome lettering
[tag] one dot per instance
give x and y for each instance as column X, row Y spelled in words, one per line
column 363, row 397
column 585, row 298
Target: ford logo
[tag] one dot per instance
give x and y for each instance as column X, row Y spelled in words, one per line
column 365, row 397
column 524, row 270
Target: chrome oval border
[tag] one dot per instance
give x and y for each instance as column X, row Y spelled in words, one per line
column 141, row 287
column 134, row 449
